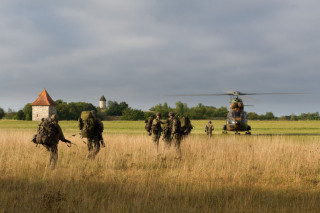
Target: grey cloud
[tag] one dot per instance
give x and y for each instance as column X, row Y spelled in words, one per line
column 138, row 51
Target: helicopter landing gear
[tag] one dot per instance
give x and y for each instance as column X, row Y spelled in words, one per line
column 237, row 133
column 248, row 133
column 224, row 132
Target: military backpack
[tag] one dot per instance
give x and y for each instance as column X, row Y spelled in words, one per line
column 47, row 132
column 87, row 124
column 186, row 125
column 148, row 122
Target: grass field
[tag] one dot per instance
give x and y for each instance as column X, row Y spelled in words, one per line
column 277, row 169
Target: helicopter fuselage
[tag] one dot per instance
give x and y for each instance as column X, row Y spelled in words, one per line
column 237, row 118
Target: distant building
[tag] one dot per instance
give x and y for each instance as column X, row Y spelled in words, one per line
column 102, row 102
column 43, row 107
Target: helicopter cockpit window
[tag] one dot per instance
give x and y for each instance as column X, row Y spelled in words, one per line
column 244, row 117
column 236, row 114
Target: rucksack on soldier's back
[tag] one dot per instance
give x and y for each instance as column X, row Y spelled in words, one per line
column 186, row 126
column 87, row 124
column 46, row 132
column 148, row 122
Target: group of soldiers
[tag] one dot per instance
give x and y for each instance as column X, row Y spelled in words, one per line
column 49, row 134
column 171, row 132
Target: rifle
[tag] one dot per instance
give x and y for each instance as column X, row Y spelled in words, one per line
column 102, row 143
column 69, row 143
column 166, row 133
column 80, row 137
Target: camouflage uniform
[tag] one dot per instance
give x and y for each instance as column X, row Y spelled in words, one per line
column 166, row 138
column 208, row 129
column 176, row 135
column 53, row 140
column 156, row 131
column 93, row 142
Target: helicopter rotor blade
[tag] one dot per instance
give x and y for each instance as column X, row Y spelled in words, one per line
column 199, row 95
column 248, row 98
column 277, row 93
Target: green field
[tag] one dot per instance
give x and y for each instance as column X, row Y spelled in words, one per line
column 277, row 169
column 137, row 127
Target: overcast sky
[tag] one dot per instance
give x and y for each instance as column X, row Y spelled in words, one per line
column 139, row 51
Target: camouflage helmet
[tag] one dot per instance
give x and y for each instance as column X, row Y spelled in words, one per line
column 158, row 114
column 171, row 114
column 210, row 122
column 94, row 113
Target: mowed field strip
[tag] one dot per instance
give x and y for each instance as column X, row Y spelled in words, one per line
column 277, row 169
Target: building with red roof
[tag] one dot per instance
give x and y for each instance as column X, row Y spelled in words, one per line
column 43, row 107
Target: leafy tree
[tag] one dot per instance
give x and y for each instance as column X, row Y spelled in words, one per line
column 163, row 109
column 132, row 114
column 123, row 105
column 72, row 111
column 20, row 115
column 181, row 108
column 293, row 117
column 11, row 114
column 2, row 113
column 149, row 114
column 27, row 109
column 198, row 112
column 221, row 112
column 116, row 109
column 269, row 116
column 252, row 116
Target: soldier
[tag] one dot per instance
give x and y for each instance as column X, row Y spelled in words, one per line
column 96, row 138
column 156, row 130
column 208, row 129
column 166, row 138
column 175, row 126
column 49, row 133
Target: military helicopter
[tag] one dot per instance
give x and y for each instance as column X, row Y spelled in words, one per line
column 236, row 120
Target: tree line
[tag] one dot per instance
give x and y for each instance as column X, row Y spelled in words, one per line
column 122, row 111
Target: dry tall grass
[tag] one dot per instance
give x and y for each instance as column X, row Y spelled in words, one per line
column 225, row 174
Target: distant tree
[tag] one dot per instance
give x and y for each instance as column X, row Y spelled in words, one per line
column 116, row 109
column 27, row 109
column 181, row 108
column 313, row 116
column 123, row 105
column 198, row 112
column 221, row 112
column 284, row 118
column 132, row 114
column 72, row 111
column 149, row 114
column 293, row 117
column 2, row 113
column 20, row 115
column 163, row 109
column 11, row 114
column 269, row 116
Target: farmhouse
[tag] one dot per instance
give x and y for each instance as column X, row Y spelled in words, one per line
column 43, row 107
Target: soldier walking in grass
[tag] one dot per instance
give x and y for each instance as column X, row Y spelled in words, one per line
column 91, row 128
column 49, row 134
column 166, row 138
column 156, row 130
column 208, row 129
column 176, row 135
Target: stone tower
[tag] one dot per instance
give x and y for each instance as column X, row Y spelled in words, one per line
column 43, row 107
column 102, row 102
